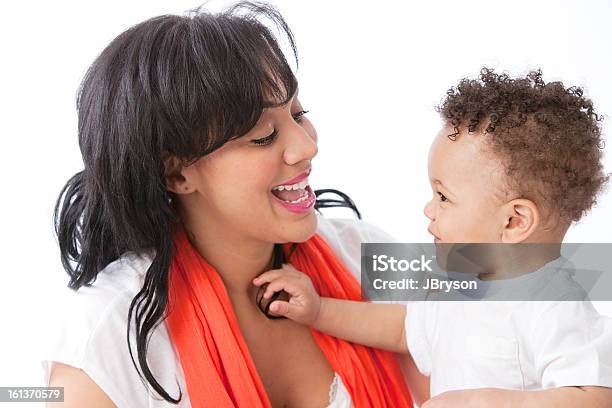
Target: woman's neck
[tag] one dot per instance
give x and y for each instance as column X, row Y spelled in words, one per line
column 236, row 258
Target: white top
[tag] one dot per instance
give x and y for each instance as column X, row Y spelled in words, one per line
column 93, row 336
column 529, row 345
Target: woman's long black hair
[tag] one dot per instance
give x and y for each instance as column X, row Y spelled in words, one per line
column 181, row 85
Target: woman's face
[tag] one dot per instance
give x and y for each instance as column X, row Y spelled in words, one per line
column 241, row 191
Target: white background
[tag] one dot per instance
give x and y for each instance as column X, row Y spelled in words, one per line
column 370, row 74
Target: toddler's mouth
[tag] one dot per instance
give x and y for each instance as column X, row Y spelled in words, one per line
column 436, row 238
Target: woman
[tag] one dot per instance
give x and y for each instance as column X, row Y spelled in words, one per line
column 197, row 153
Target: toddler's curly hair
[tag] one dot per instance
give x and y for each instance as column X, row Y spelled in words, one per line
column 547, row 136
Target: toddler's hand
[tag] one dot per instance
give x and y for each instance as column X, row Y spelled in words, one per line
column 304, row 302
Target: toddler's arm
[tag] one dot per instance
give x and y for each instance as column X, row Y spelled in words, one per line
column 374, row 325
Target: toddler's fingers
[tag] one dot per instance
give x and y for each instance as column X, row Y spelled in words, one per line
column 290, row 269
column 286, row 309
column 286, row 283
column 268, row 276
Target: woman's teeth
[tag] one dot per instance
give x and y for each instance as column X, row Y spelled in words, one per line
column 303, row 197
column 298, row 186
column 292, row 193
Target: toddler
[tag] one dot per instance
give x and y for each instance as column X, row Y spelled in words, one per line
column 517, row 161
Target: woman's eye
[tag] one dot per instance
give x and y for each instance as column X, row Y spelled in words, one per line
column 442, row 197
column 269, row 139
column 298, row 115
column 265, row 140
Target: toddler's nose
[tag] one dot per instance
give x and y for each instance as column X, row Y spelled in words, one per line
column 429, row 210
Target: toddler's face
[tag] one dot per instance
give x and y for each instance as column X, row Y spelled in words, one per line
column 468, row 190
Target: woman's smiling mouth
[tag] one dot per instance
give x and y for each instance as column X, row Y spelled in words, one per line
column 295, row 195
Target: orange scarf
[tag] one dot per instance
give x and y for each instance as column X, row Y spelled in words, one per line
column 218, row 368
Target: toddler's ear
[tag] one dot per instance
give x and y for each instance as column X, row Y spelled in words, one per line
column 522, row 219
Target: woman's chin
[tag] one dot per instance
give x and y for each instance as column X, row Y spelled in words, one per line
column 303, row 229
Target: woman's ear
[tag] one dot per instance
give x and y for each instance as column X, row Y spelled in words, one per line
column 522, row 219
column 174, row 175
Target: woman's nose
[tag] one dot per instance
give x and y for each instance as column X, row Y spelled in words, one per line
column 300, row 145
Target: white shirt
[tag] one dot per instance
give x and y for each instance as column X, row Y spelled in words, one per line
column 529, row 345
column 93, row 336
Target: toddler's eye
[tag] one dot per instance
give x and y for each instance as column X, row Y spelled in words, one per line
column 442, row 197
column 265, row 140
column 298, row 115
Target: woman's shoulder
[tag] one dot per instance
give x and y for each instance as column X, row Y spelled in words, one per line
column 351, row 229
column 92, row 335
column 345, row 237
column 107, row 297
